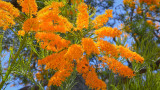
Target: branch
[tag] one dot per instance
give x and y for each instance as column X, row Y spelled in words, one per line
column 129, row 64
column 135, row 39
column 153, row 19
column 144, row 70
column 13, row 62
column 156, row 35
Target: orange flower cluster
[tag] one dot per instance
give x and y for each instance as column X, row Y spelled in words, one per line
column 39, row 76
column 109, row 13
column 57, row 61
column 149, row 2
column 74, row 52
column 30, row 24
column 100, row 20
column 59, row 77
column 125, row 52
column 21, row 32
column 83, row 65
column 54, row 8
column 108, row 31
column 118, row 68
column 139, row 10
column 130, row 3
column 92, row 80
column 8, row 7
column 89, row 46
column 58, row 58
column 152, row 4
column 109, row 48
column 7, row 14
column 67, row 55
column 150, row 22
column 82, row 17
column 76, row 1
column 148, row 14
column 61, row 60
column 89, row 74
column 152, row 7
column 52, row 41
column 50, row 20
column 28, row 6
column 65, row 58
column 57, row 24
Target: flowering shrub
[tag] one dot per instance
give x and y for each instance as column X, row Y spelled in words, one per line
column 52, row 30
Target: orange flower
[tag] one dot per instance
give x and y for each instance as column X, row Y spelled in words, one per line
column 29, row 6
column 151, row 8
column 54, row 61
column 6, row 20
column 54, row 8
column 100, row 20
column 21, row 32
column 108, row 48
column 89, row 74
column 63, row 22
column 39, row 76
column 51, row 21
column 58, row 62
column 48, row 16
column 108, row 31
column 6, row 6
column 150, row 22
column 8, row 13
column 82, row 17
column 93, row 81
column 125, row 52
column 51, row 41
column 89, row 46
column 149, row 2
column 59, row 77
column 76, row 1
column 54, row 23
column 139, row 10
column 31, row 24
column 148, row 15
column 130, row 3
column 109, row 13
column 75, row 51
column 118, row 67
column 83, row 65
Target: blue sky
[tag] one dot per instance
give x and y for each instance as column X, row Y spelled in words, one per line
column 4, row 60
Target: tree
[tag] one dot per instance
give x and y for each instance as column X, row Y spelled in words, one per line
column 67, row 43
column 140, row 22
